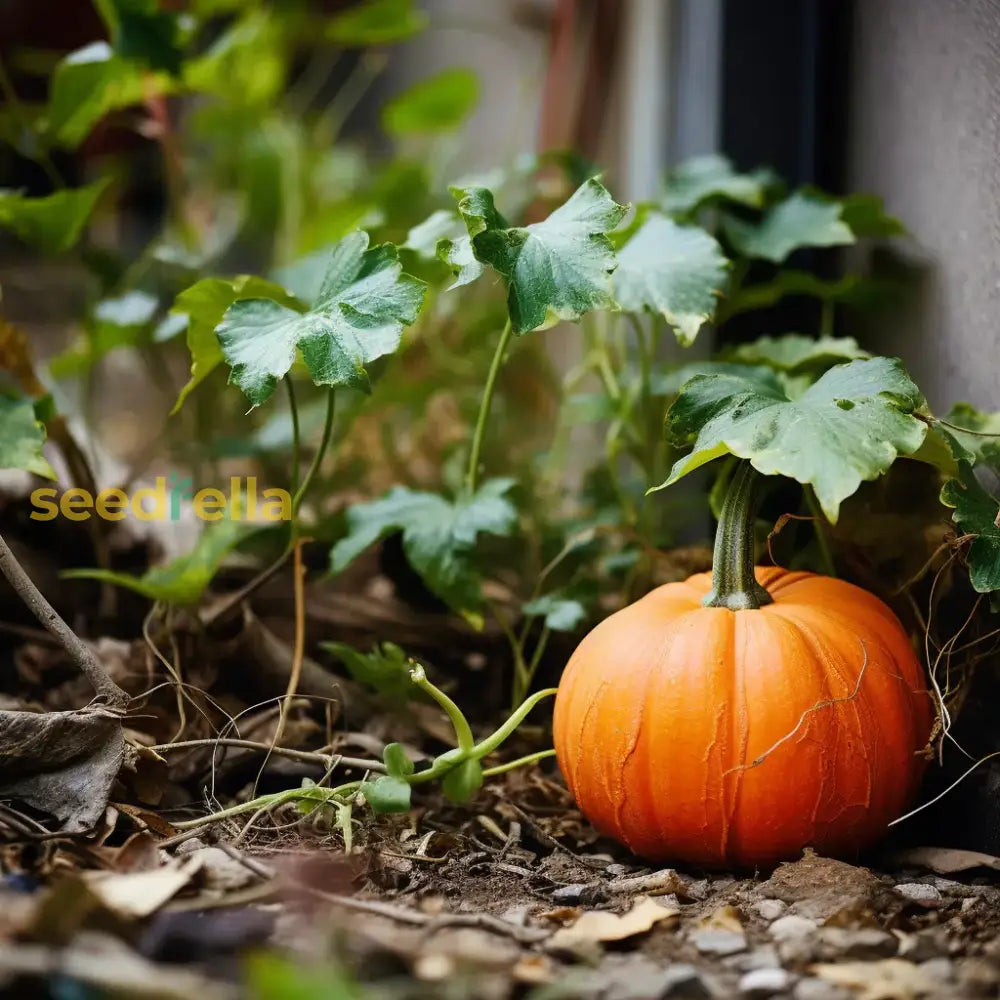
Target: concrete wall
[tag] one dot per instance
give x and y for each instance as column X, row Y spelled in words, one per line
column 925, row 134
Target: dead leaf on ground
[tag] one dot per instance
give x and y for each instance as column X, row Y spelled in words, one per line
column 600, row 925
column 62, row 763
column 138, row 894
column 725, row 918
column 888, row 979
column 944, row 860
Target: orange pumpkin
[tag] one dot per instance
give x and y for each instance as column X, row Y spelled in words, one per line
column 787, row 713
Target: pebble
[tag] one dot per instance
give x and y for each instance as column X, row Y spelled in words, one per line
column 867, row 943
column 920, row 892
column 765, row 982
column 684, row 981
column 940, row 969
column 770, row 909
column 791, row 926
column 579, row 892
column 923, row 946
column 820, row 989
column 719, row 943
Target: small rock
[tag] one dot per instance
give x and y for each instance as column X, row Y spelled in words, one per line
column 765, row 982
column 617, row 871
column 719, row 943
column 770, row 909
column 579, row 893
column 791, row 926
column 867, row 943
column 940, row 969
column 764, row 957
column 820, row 989
column 979, row 975
column 920, row 892
column 684, row 981
column 923, row 946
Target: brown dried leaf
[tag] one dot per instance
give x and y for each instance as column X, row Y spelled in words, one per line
column 138, row 894
column 944, row 860
column 888, row 979
column 62, row 763
column 600, row 925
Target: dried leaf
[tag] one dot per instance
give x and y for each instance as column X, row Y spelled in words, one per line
column 62, row 763
column 138, row 894
column 945, row 860
column 888, row 979
column 600, row 925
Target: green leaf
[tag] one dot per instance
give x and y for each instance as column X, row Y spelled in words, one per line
column 359, row 315
column 438, row 104
column 184, row 579
column 52, row 223
column 463, row 781
column 867, row 217
column 423, row 238
column 796, row 353
column 438, row 534
column 21, row 438
column 478, row 213
column 846, row 428
column 669, row 383
column 386, row 668
column 676, row 271
column 270, row 976
column 387, row 794
column 712, row 178
column 561, row 613
column 802, row 220
column 204, row 304
column 376, row 22
column 974, row 446
column 556, row 269
column 397, row 761
column 143, row 32
column 976, row 513
column 88, row 84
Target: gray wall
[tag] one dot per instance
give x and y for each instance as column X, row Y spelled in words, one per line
column 925, row 134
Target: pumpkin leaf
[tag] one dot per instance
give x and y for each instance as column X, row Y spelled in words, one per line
column 443, row 224
column 976, row 513
column 397, row 761
column 54, row 222
column 89, row 84
column 359, row 315
column 438, row 534
column 141, row 31
column 795, row 352
column 387, row 794
column 22, row 437
column 204, row 304
column 438, row 104
column 802, row 220
column 848, row 427
column 386, row 668
column 712, row 178
column 376, row 22
column 668, row 383
column 974, row 447
column 185, row 579
column 678, row 272
column 463, row 781
column 555, row 269
column 561, row 612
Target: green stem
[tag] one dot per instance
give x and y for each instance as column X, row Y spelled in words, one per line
column 296, row 439
column 531, row 758
column 41, row 153
column 493, row 741
column 826, row 318
column 734, row 585
column 484, row 406
column 523, row 682
column 318, row 457
column 463, row 732
column 819, row 526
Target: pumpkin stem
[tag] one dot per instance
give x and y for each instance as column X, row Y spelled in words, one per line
column 734, row 584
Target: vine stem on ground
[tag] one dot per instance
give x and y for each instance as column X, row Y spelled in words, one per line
column 81, row 654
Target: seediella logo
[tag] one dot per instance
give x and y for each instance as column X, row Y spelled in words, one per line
column 165, row 500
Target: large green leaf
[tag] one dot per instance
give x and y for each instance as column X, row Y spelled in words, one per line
column 184, row 579
column 141, row 31
column 676, row 271
column 21, row 438
column 376, row 22
column 556, row 269
column 867, row 217
column 795, row 352
column 438, row 104
column 91, row 82
column 801, row 220
column 359, row 315
column 712, row 178
column 204, row 304
column 983, row 444
column 976, row 513
column 438, row 534
column 669, row 382
column 54, row 222
column 846, row 428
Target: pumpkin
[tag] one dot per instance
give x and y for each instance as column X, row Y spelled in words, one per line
column 740, row 716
